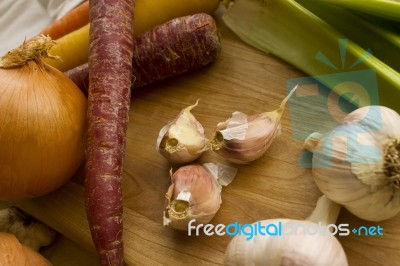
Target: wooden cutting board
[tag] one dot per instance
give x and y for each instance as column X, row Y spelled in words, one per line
column 242, row 79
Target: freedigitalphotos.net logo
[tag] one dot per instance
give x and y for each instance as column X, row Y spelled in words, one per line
column 321, row 102
column 281, row 229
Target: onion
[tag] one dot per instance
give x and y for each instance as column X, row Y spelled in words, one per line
column 42, row 123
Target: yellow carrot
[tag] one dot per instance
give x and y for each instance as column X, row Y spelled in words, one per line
column 150, row 13
column 73, row 48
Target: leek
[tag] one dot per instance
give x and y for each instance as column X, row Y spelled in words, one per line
column 293, row 33
column 388, row 9
column 383, row 42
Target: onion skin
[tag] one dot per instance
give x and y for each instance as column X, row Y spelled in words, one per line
column 42, row 130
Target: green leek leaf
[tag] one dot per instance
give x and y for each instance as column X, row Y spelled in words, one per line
column 383, row 42
column 388, row 9
column 293, row 33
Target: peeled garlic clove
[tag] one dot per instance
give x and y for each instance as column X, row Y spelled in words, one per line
column 182, row 140
column 195, row 193
column 357, row 164
column 243, row 139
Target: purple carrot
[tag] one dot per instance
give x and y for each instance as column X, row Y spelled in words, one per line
column 110, row 80
column 173, row 48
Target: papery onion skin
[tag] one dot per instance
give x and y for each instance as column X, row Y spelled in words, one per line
column 355, row 176
column 42, row 129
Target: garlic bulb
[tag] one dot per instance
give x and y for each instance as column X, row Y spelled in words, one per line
column 299, row 246
column 182, row 140
column 195, row 193
column 357, row 164
column 243, row 139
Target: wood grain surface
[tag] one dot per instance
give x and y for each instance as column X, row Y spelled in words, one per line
column 275, row 186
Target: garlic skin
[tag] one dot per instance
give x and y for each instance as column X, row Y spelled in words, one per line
column 296, row 249
column 195, row 193
column 182, row 140
column 242, row 139
column 357, row 164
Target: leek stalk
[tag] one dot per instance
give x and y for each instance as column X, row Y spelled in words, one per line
column 288, row 30
column 383, row 43
column 388, row 9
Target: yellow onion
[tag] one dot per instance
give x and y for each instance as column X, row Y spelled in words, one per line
column 42, row 123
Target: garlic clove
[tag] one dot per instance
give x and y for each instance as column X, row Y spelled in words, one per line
column 242, row 139
column 290, row 242
column 298, row 248
column 182, row 140
column 195, row 193
column 312, row 141
column 245, row 142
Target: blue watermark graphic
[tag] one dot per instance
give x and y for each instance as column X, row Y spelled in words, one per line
column 321, row 102
column 281, row 229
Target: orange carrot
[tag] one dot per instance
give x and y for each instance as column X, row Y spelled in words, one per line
column 73, row 20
